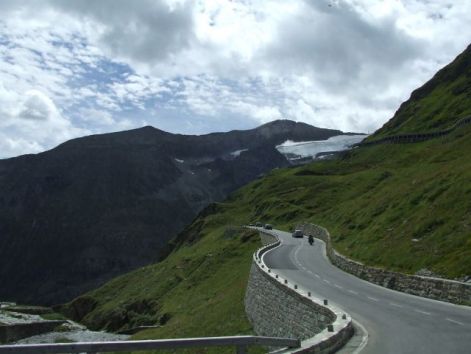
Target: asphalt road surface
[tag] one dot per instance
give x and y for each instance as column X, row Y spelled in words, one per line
column 396, row 322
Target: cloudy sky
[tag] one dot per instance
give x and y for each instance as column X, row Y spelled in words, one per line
column 70, row 68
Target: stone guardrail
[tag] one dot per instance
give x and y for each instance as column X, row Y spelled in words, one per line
column 415, row 137
column 433, row 288
column 277, row 307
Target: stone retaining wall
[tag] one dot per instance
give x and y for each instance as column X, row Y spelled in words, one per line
column 433, row 288
column 275, row 311
column 276, row 308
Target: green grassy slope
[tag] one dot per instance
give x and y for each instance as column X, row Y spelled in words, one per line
column 197, row 291
column 436, row 105
column 403, row 207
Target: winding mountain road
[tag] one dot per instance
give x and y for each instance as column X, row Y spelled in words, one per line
column 396, row 322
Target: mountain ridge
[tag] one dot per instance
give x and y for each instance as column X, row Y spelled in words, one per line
column 71, row 217
column 276, row 130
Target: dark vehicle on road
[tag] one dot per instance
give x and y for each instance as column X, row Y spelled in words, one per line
column 258, row 224
column 298, row 233
column 268, row 227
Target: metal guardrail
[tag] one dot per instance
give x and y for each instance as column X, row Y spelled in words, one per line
column 240, row 342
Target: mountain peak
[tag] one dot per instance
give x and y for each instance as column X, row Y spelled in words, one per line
column 299, row 131
column 279, row 122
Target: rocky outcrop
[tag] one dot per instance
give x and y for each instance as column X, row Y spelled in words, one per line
column 433, row 288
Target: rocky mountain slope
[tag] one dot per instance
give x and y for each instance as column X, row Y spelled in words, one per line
column 96, row 207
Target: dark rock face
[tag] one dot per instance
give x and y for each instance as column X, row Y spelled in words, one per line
column 95, row 207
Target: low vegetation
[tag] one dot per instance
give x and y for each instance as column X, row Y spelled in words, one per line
column 53, row 316
column 197, row 291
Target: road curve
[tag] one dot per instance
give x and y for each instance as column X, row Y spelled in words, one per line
column 396, row 322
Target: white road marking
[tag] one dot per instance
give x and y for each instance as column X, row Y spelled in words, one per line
column 454, row 321
column 296, row 259
column 263, row 255
column 338, row 286
column 423, row 312
column 364, row 339
column 372, row 298
column 365, row 336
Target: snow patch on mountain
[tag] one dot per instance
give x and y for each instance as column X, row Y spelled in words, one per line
column 304, row 149
column 237, row 152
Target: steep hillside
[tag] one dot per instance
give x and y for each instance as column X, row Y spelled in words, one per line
column 438, row 104
column 197, row 291
column 99, row 206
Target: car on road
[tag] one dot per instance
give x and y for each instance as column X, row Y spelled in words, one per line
column 268, row 227
column 297, row 233
column 258, row 224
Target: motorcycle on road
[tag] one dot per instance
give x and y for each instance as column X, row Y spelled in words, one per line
column 311, row 240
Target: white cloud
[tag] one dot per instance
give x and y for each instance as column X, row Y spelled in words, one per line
column 37, row 106
column 266, row 114
column 142, row 32
column 136, row 89
column 32, row 123
column 105, row 119
column 17, row 146
column 76, row 67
